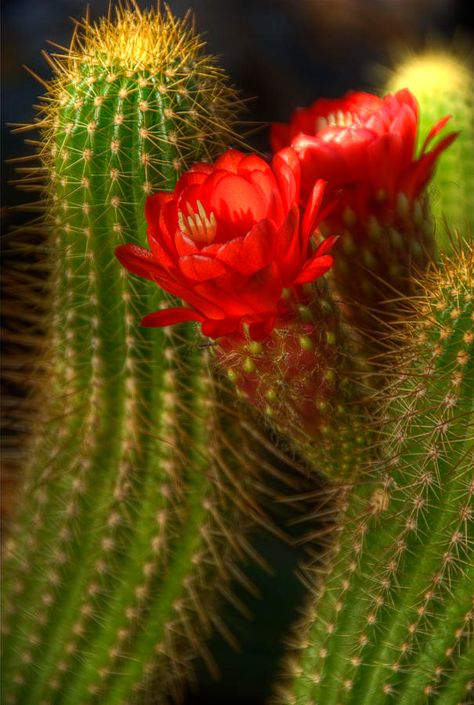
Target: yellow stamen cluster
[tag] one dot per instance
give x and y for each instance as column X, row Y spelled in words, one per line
column 338, row 118
column 200, row 228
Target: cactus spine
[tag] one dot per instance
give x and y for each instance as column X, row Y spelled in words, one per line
column 117, row 548
column 393, row 619
column 444, row 84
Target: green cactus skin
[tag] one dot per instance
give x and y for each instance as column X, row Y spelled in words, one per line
column 392, row 621
column 126, row 528
column 443, row 83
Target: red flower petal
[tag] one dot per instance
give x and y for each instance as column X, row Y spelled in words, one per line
column 163, row 229
column 420, row 172
column 406, row 97
column 405, row 125
column 287, row 168
column 201, row 268
column 288, row 247
column 251, row 253
column 230, row 161
column 160, row 254
column 231, row 304
column 384, row 162
column 203, row 168
column 236, row 201
column 326, row 245
column 435, row 130
column 266, row 186
column 319, row 160
column 312, row 213
column 358, row 102
column 252, row 163
column 154, row 204
column 170, row 316
column 184, row 244
column 195, row 176
column 141, row 262
column 314, row 268
column 219, row 328
column 263, row 290
column 351, row 145
column 138, row 261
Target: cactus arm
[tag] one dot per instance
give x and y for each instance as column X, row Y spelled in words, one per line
column 394, row 613
column 421, row 560
column 121, row 514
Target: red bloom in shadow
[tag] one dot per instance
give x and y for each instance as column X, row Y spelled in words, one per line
column 228, row 240
column 365, row 146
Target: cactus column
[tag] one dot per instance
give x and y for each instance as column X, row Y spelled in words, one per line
column 393, row 620
column 443, row 83
column 126, row 524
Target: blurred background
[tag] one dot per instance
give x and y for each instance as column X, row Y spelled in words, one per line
column 280, row 54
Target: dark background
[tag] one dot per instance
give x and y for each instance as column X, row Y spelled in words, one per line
column 279, row 53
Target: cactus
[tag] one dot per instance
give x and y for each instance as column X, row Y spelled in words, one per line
column 392, row 620
column 443, row 82
column 126, row 527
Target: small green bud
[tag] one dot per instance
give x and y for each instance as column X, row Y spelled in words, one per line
column 306, row 343
column 249, row 365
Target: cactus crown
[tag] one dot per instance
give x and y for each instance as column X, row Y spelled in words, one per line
column 158, row 61
column 426, row 72
column 138, row 40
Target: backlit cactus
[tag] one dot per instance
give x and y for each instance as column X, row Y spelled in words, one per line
column 126, row 525
column 443, row 83
column 393, row 619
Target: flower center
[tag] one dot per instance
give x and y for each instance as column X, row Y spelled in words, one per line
column 198, row 226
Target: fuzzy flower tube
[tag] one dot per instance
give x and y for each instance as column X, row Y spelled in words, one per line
column 365, row 148
column 232, row 241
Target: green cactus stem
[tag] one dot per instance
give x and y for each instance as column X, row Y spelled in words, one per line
column 392, row 621
column 443, row 82
column 130, row 517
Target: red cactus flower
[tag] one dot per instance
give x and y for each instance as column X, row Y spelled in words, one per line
column 365, row 146
column 228, row 240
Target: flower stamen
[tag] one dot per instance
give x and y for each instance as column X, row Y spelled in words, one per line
column 339, row 118
column 198, row 226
